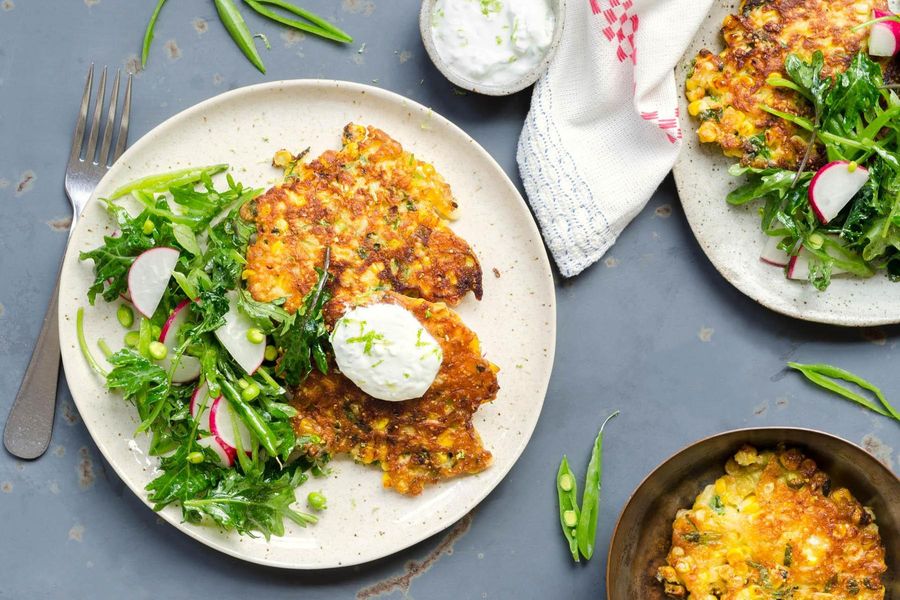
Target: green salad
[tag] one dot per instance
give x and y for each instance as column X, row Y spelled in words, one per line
column 844, row 217
column 204, row 364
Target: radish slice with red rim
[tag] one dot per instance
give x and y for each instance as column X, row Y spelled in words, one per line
column 226, row 457
column 188, row 367
column 833, row 186
column 884, row 36
column 773, row 255
column 225, row 426
column 149, row 276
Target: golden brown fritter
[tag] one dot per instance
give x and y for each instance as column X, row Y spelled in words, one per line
column 383, row 214
column 416, row 442
column 380, row 210
column 773, row 527
column 726, row 91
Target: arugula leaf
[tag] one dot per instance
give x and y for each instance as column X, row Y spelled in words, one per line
column 248, row 503
column 141, row 381
column 303, row 342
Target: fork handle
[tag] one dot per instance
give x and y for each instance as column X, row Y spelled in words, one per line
column 30, row 422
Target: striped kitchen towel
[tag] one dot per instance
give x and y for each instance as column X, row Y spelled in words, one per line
column 604, row 130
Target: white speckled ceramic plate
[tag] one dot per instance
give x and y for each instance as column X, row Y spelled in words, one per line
column 731, row 238
column 516, row 320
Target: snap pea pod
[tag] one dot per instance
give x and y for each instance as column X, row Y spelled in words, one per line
column 148, row 34
column 319, row 27
column 824, row 376
column 586, row 532
column 251, row 418
column 162, row 182
column 567, row 492
column 240, row 33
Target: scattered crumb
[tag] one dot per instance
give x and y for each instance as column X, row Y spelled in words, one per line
column 496, row 272
column 132, row 64
column 480, row 555
column 404, row 56
column 61, row 224
column 26, row 182
column 664, row 211
column 879, row 450
column 6, row 487
column 60, row 451
column 358, row 59
column 366, row 7
column 4, row 183
column 77, row 532
column 53, row 487
column 781, row 402
column 292, row 37
column 876, row 336
column 2, row 310
column 20, row 466
column 7, row 5
column 761, row 408
column 459, row 92
column 85, row 469
column 361, row 48
column 172, row 50
column 705, row 334
column 217, row 79
column 90, row 3
column 200, row 25
column 611, row 263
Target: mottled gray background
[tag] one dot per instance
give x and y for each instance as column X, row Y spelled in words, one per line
column 651, row 330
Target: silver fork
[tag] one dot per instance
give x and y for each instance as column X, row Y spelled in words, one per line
column 30, row 422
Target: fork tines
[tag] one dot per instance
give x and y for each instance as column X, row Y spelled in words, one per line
column 89, row 146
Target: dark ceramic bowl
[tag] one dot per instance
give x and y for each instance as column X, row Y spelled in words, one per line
column 643, row 534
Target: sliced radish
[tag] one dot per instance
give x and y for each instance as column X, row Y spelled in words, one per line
column 226, row 458
column 798, row 267
column 884, row 37
column 233, row 335
column 833, row 186
column 199, row 398
column 773, row 255
column 224, row 425
column 148, row 277
column 188, row 367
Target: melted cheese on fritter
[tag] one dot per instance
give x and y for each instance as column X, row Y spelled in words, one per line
column 773, row 528
column 383, row 215
column 726, row 91
column 380, row 210
column 416, row 442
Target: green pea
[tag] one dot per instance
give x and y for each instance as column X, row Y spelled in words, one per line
column 570, row 518
column 132, row 338
column 125, row 316
column 271, row 353
column 815, row 241
column 250, row 392
column 158, row 350
column 148, row 227
column 195, row 457
column 255, row 336
column 242, row 383
column 317, row 501
column 566, row 483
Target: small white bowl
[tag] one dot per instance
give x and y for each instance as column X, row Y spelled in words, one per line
column 559, row 10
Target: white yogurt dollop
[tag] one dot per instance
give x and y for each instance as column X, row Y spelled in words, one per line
column 495, row 42
column 386, row 352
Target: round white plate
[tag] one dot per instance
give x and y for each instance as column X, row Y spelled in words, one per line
column 731, row 237
column 516, row 320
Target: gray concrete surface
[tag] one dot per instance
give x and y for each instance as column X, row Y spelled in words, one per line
column 652, row 331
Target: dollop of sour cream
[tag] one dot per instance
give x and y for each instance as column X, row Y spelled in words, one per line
column 495, row 42
column 386, row 352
